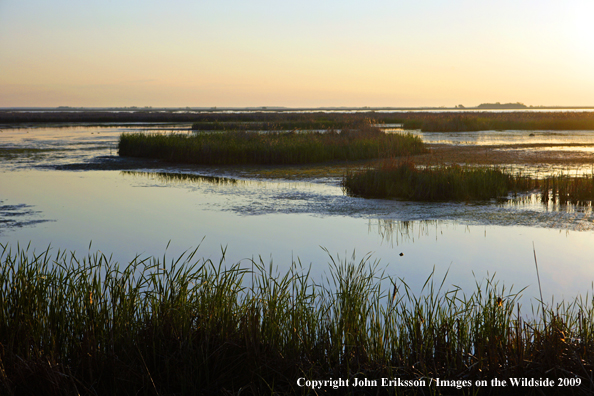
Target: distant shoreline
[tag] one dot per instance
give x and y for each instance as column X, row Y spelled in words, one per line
column 482, row 107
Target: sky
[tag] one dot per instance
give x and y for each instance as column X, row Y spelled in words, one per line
column 242, row 53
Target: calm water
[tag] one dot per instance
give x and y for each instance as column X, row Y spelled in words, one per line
column 66, row 187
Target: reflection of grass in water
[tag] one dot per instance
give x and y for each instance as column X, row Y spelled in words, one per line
column 398, row 231
column 172, row 177
column 67, row 321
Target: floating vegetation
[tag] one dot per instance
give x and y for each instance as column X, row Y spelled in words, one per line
column 235, row 148
column 86, row 325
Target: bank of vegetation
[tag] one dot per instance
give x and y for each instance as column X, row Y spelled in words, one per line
column 402, row 179
column 429, row 121
column 239, row 147
column 72, row 325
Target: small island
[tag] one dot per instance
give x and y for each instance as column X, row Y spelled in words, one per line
column 499, row 106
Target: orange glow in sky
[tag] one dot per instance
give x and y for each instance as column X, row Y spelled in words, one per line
column 295, row 53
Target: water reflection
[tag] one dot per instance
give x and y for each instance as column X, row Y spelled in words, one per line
column 18, row 215
column 395, row 232
column 173, row 177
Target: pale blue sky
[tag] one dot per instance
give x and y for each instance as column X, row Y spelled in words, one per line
column 295, row 53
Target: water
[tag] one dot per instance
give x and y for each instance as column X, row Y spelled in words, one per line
column 66, row 187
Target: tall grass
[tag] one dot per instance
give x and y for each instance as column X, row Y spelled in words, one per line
column 402, row 179
column 399, row 179
column 484, row 121
column 234, row 148
column 71, row 325
column 426, row 121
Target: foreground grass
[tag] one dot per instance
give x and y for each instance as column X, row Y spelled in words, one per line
column 235, row 148
column 398, row 179
column 72, row 325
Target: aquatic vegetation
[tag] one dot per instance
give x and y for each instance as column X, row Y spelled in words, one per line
column 485, row 121
column 429, row 121
column 564, row 189
column 402, row 179
column 271, row 126
column 397, row 179
column 234, row 148
column 72, row 325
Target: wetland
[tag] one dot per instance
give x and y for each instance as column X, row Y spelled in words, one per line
column 66, row 189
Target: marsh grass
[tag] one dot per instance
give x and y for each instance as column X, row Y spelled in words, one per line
column 426, row 121
column 295, row 125
column 235, row 148
column 486, row 121
column 71, row 325
column 404, row 180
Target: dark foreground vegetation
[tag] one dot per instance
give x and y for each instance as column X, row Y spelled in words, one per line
column 423, row 120
column 73, row 325
column 362, row 141
column 402, row 179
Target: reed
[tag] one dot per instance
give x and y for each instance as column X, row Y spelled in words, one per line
column 402, row 179
column 236, row 148
column 398, row 179
column 287, row 120
column 72, row 325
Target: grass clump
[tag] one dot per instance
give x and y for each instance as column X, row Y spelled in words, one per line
column 396, row 179
column 237, row 148
column 402, row 179
column 90, row 326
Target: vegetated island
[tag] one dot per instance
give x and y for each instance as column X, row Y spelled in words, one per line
column 72, row 325
column 502, row 106
column 355, row 141
column 403, row 180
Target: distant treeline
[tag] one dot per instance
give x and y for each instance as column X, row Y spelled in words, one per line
column 426, row 121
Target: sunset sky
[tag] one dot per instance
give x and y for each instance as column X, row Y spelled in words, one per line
column 295, row 53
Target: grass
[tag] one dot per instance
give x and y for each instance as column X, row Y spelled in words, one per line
column 397, row 179
column 237, row 148
column 270, row 126
column 72, row 325
column 402, row 179
column 425, row 121
column 486, row 121
column 446, row 121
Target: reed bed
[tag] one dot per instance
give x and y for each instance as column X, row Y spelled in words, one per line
column 402, row 179
column 236, row 148
column 445, row 121
column 320, row 124
column 286, row 120
column 72, row 325
column 485, row 121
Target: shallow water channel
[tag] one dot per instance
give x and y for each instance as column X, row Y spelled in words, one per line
column 67, row 187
